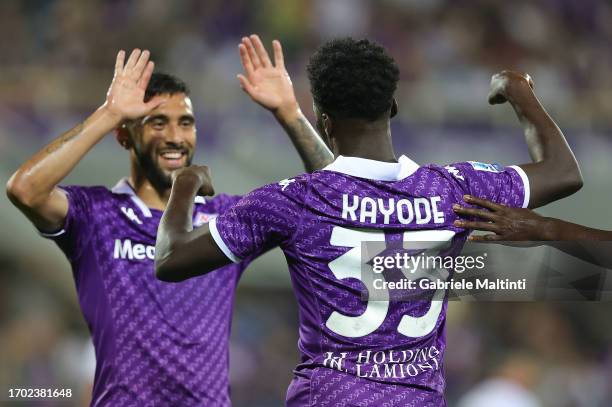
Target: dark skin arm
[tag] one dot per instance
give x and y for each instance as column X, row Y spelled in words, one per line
column 270, row 86
column 554, row 172
column 517, row 224
column 182, row 252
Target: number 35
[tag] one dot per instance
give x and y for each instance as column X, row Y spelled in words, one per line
column 349, row 265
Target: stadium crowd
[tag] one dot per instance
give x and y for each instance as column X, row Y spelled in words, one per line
column 55, row 63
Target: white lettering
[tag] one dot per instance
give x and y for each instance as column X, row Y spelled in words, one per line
column 420, row 210
column 438, row 216
column 400, row 213
column 424, row 203
column 128, row 250
column 365, row 212
column 349, row 210
column 387, row 212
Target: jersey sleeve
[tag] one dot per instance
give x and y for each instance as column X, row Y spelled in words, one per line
column 503, row 185
column 263, row 219
column 76, row 230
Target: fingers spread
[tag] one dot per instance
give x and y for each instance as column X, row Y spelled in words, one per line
column 119, row 62
column 485, row 226
column 261, row 51
column 479, row 213
column 484, row 238
column 252, row 54
column 143, row 82
column 279, row 59
column 132, row 60
column 482, row 202
column 245, row 84
column 141, row 64
column 245, row 59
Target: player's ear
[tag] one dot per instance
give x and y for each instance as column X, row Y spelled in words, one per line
column 327, row 125
column 393, row 108
column 122, row 134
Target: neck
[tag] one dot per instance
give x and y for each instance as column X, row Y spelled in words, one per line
column 155, row 198
column 363, row 139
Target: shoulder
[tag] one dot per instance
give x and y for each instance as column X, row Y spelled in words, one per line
column 89, row 194
column 461, row 170
column 284, row 195
column 219, row 203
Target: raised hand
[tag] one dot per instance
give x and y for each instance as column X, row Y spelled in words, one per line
column 267, row 84
column 125, row 96
column 504, row 82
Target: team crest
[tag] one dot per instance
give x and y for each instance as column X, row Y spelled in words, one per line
column 202, row 218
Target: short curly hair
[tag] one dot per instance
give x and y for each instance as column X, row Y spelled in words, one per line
column 353, row 79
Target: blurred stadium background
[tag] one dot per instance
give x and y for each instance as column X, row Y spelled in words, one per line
column 56, row 63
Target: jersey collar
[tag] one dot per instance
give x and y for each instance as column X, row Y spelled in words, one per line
column 372, row 169
column 124, row 187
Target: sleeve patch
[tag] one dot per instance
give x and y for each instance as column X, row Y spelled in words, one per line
column 478, row 166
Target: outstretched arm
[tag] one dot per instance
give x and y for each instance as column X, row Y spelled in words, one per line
column 554, row 172
column 270, row 86
column 517, row 224
column 33, row 187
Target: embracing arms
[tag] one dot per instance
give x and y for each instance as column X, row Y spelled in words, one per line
column 517, row 224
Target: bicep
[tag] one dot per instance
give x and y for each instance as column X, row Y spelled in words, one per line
column 546, row 186
column 50, row 214
column 540, row 185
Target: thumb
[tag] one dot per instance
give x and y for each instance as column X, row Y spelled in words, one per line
column 155, row 102
column 246, row 85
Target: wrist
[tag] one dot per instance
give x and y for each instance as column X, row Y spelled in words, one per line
column 517, row 90
column 289, row 113
column 107, row 114
column 549, row 230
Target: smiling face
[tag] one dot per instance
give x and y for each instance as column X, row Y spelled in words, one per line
column 164, row 140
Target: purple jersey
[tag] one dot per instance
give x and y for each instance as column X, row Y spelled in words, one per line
column 354, row 352
column 156, row 343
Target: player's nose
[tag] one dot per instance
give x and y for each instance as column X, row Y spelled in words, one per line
column 173, row 134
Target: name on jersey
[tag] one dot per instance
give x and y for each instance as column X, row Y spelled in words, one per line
column 126, row 249
column 369, row 210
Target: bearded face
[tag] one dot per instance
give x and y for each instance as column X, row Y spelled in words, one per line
column 164, row 140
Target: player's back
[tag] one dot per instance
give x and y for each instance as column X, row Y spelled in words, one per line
column 353, row 211
column 358, row 343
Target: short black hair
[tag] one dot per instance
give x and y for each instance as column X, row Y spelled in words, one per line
column 164, row 84
column 353, row 79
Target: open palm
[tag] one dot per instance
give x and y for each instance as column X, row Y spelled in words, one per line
column 267, row 84
column 125, row 96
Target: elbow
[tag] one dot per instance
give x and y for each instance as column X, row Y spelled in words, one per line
column 572, row 179
column 18, row 191
column 575, row 184
column 165, row 271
